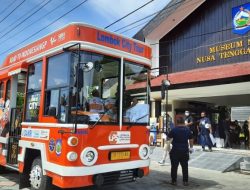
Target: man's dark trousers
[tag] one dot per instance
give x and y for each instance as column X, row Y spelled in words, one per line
column 176, row 157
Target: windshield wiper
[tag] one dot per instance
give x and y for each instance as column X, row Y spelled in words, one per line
column 136, row 122
column 93, row 126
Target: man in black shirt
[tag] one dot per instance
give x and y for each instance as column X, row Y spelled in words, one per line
column 189, row 121
column 180, row 151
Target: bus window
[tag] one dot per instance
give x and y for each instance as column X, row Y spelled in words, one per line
column 8, row 90
column 33, row 91
column 57, row 87
column 97, row 98
column 135, row 101
column 1, row 99
column 1, row 89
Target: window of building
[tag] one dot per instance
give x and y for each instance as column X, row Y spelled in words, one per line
column 57, row 87
column 33, row 91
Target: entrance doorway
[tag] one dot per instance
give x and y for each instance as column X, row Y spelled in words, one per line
column 216, row 100
column 16, row 113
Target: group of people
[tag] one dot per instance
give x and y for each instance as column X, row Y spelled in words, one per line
column 133, row 111
column 181, row 138
column 233, row 133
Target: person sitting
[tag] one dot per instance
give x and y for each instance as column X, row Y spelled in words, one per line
column 96, row 104
column 111, row 109
column 137, row 113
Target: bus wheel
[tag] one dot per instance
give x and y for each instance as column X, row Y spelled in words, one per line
column 2, row 169
column 38, row 181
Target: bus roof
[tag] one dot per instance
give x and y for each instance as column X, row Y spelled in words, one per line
column 77, row 33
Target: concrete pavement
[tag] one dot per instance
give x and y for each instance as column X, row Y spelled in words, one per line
column 159, row 178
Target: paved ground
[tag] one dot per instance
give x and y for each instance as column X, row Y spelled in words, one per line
column 159, row 177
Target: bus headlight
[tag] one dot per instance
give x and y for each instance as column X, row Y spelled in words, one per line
column 72, row 141
column 72, row 156
column 144, row 152
column 89, row 156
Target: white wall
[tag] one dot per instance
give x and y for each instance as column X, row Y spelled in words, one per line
column 154, row 44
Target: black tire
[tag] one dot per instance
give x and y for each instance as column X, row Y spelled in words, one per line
column 2, row 169
column 38, row 181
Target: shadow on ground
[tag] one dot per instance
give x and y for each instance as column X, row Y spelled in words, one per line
column 161, row 180
column 156, row 180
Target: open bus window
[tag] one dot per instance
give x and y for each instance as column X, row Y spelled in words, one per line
column 136, row 94
column 98, row 96
column 33, row 91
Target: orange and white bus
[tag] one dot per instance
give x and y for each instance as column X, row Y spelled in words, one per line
column 71, row 115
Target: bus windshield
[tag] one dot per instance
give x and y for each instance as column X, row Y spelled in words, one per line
column 98, row 94
column 99, row 98
column 135, row 94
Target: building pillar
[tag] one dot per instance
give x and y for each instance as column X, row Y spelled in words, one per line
column 153, row 109
column 157, row 108
column 155, row 55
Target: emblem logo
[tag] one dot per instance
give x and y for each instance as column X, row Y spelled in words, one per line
column 241, row 19
column 52, row 145
column 113, row 137
column 58, row 147
column 119, row 137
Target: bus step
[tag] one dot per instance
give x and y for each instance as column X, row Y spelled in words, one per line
column 12, row 167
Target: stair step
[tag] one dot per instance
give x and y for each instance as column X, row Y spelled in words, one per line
column 247, row 159
column 245, row 166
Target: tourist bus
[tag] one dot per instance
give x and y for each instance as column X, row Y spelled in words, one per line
column 72, row 113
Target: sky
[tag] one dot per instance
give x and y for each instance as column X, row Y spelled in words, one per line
column 21, row 19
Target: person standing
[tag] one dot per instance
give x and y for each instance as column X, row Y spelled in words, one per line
column 167, row 145
column 246, row 132
column 189, row 122
column 237, row 132
column 179, row 153
column 226, row 127
column 205, row 130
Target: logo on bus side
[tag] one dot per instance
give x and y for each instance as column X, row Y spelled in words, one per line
column 52, row 145
column 119, row 137
column 58, row 147
column 35, row 133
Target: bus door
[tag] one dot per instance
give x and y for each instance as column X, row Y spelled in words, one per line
column 16, row 112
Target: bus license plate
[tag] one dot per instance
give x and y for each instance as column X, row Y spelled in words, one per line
column 124, row 155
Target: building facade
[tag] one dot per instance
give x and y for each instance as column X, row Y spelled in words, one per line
column 204, row 48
